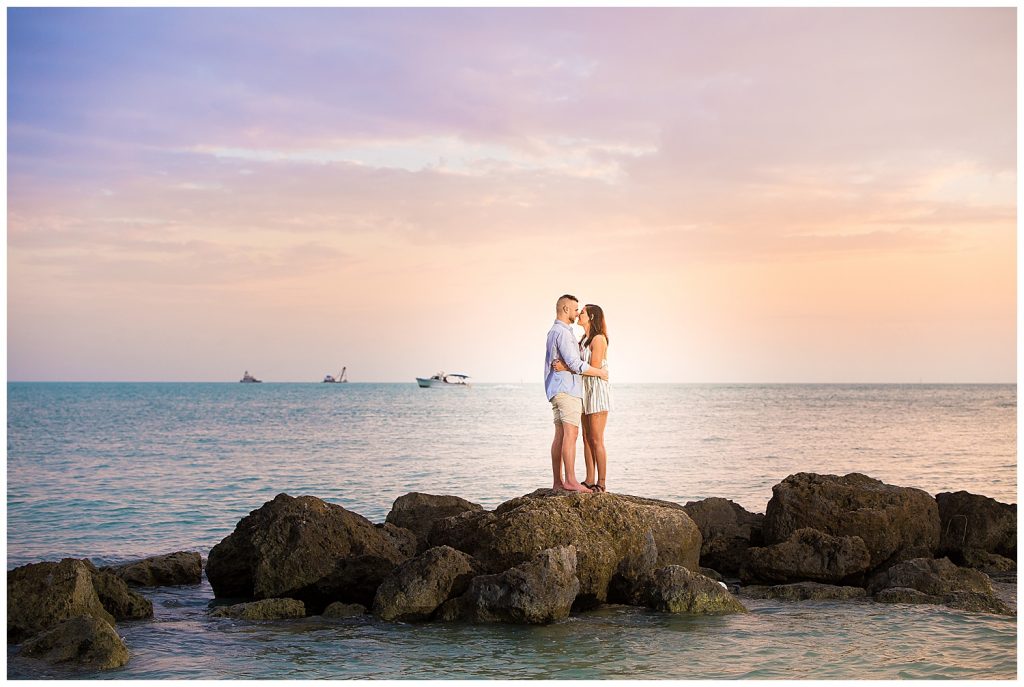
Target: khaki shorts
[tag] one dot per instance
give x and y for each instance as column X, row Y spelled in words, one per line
column 567, row 409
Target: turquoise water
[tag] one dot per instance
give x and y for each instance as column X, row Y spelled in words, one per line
column 115, row 471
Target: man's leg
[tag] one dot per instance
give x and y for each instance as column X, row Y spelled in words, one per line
column 569, row 435
column 556, row 457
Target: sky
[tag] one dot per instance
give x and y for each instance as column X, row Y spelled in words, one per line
column 751, row 195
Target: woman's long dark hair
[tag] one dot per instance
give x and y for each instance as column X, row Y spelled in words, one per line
column 597, row 325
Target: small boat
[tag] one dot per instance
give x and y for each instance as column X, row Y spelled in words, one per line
column 249, row 379
column 443, row 379
column 328, row 379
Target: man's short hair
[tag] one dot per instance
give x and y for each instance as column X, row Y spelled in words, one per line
column 563, row 298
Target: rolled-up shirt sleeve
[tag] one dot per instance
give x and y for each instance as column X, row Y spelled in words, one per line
column 570, row 354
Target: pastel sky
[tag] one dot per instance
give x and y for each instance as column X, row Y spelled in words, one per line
column 769, row 195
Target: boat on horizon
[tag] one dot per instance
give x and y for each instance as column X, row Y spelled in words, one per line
column 249, row 379
column 443, row 379
column 328, row 379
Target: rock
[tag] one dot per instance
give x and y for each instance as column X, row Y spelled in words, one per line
column 970, row 521
column 304, row 548
column 265, row 609
column 539, row 591
column 808, row 555
column 727, row 530
column 804, row 591
column 340, row 610
column 618, row 538
column 675, row 589
column 41, row 595
column 84, row 640
column 989, row 563
column 895, row 523
column 977, row 602
column 118, row 600
column 713, row 574
column 905, row 595
column 933, row 577
column 417, row 587
column 182, row 567
column 418, row 512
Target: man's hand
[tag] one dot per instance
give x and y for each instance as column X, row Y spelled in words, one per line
column 558, row 366
column 603, row 374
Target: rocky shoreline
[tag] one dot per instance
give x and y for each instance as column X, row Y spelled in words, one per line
column 541, row 557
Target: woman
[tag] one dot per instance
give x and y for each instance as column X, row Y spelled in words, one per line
column 597, row 398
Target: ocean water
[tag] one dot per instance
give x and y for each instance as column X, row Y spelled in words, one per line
column 120, row 471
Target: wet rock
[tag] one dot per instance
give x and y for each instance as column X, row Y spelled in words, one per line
column 118, row 600
column 809, row 555
column 895, row 523
column 974, row 523
column 991, row 564
column 304, row 548
column 935, row 577
column 417, row 587
column 340, row 610
column 418, row 512
column 977, row 602
column 618, row 539
column 675, row 589
column 179, row 568
column 905, row 595
column 265, row 609
column 539, row 591
column 713, row 574
column 41, row 595
column 804, row 591
column 728, row 530
column 83, row 640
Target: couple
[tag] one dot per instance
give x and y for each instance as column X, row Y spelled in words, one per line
column 578, row 392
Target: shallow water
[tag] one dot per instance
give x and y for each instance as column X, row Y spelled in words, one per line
column 116, row 471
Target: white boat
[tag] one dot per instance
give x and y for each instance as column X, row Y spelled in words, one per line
column 249, row 379
column 443, row 379
column 340, row 379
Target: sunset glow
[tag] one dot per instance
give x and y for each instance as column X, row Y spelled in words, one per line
column 798, row 195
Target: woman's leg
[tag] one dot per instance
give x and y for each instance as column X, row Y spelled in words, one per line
column 597, row 449
column 588, row 454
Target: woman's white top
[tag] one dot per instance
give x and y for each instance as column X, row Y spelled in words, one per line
column 597, row 393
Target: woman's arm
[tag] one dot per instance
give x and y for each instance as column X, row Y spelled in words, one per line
column 598, row 348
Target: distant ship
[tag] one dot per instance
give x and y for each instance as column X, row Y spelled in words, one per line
column 249, row 379
column 328, row 379
column 443, row 379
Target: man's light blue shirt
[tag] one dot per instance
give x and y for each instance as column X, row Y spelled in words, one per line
column 562, row 346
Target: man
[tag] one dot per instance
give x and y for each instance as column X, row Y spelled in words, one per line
column 565, row 391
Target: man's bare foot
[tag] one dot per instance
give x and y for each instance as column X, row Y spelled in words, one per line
column 575, row 486
column 558, row 486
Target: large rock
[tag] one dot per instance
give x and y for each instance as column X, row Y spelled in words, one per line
column 340, row 610
column 972, row 524
column 675, row 589
column 539, row 591
column 618, row 539
column 304, row 548
column 83, row 640
column 265, row 609
column 895, row 523
column 418, row 512
column 936, row 577
column 181, row 567
column 804, row 591
column 417, row 587
column 728, row 530
column 120, row 601
column 808, row 555
column 976, row 602
column 41, row 595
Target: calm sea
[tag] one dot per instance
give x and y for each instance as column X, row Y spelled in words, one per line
column 118, row 471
